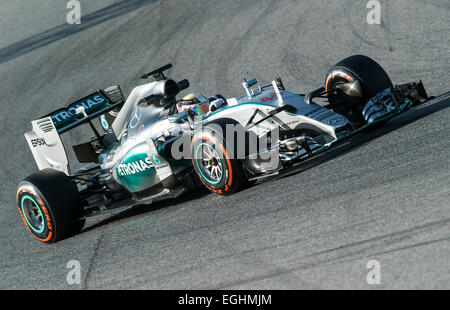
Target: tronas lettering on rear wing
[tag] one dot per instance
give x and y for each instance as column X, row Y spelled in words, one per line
column 44, row 140
column 94, row 105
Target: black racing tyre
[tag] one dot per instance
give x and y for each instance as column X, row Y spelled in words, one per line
column 219, row 171
column 49, row 205
column 372, row 80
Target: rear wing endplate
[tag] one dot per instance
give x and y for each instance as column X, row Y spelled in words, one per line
column 46, row 145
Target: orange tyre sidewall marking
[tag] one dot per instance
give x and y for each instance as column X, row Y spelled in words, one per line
column 340, row 74
column 230, row 176
column 44, row 209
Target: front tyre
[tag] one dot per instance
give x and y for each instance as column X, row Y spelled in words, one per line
column 49, row 205
column 357, row 79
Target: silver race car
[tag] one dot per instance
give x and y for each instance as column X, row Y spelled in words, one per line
column 152, row 146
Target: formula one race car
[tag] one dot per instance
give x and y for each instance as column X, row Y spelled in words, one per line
column 153, row 146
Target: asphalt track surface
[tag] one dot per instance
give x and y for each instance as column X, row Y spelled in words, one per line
column 385, row 195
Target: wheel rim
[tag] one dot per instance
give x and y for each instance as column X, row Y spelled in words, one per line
column 32, row 214
column 209, row 163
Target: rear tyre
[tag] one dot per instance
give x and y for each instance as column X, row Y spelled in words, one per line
column 369, row 78
column 217, row 170
column 50, row 206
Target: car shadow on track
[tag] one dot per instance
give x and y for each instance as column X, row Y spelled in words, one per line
column 430, row 107
column 149, row 208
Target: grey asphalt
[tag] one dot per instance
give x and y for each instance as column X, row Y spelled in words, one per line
column 384, row 195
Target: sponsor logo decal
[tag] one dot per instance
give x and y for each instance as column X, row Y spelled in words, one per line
column 38, row 142
column 272, row 95
column 134, row 167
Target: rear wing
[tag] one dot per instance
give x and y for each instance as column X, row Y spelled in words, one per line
column 44, row 139
column 95, row 105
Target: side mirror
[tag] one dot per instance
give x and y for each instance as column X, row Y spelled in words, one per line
column 249, row 83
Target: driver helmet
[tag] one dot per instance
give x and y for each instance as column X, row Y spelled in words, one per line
column 195, row 101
